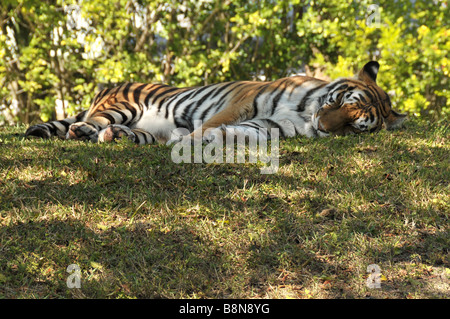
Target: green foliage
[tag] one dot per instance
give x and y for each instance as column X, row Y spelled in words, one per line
column 63, row 50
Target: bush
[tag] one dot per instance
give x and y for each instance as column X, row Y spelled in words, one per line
column 61, row 53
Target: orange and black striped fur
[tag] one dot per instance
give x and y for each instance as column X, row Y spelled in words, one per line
column 298, row 105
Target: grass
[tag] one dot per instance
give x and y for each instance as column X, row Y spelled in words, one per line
column 140, row 226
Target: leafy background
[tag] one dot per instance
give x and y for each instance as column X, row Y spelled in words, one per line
column 61, row 52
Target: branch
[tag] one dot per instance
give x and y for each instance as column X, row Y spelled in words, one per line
column 213, row 13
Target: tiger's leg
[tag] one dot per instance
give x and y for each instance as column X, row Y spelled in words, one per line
column 251, row 129
column 54, row 128
column 121, row 113
column 115, row 132
column 235, row 113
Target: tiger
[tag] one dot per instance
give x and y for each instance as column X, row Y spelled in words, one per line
column 295, row 105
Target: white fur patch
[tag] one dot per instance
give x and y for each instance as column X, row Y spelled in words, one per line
column 156, row 125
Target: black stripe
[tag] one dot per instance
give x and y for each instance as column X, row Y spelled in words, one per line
column 165, row 97
column 126, row 90
column 255, row 101
column 166, row 115
column 218, row 104
column 237, row 92
column 173, row 98
column 371, row 116
column 80, row 116
column 65, row 123
column 109, row 117
column 152, row 137
column 378, row 103
column 137, row 92
column 362, row 98
column 96, row 97
column 205, row 112
column 200, row 90
column 186, row 111
column 301, row 106
column 101, row 94
column 277, row 98
column 52, row 127
column 341, row 88
column 181, row 122
column 123, row 115
column 116, row 90
column 152, row 92
column 184, row 98
column 223, row 87
column 201, row 101
column 222, row 100
column 273, row 123
column 144, row 136
column 369, row 94
column 95, row 126
column 105, row 92
column 189, row 107
column 251, row 124
column 295, row 85
column 130, row 108
column 141, row 113
column 378, row 113
column 181, row 101
column 164, row 93
column 334, row 85
column 374, row 93
column 340, row 97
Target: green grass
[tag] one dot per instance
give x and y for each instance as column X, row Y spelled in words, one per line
column 140, row 226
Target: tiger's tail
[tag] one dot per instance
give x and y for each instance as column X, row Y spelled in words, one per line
column 54, row 128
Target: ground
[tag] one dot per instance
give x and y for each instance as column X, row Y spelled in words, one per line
column 139, row 225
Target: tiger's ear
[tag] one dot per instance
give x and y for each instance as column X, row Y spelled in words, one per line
column 369, row 72
column 394, row 120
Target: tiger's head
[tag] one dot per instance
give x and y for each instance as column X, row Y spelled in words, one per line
column 355, row 105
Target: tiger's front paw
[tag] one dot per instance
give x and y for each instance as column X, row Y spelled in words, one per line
column 214, row 135
column 116, row 132
column 82, row 131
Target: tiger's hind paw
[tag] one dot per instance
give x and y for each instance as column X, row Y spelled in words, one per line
column 116, row 132
column 82, row 131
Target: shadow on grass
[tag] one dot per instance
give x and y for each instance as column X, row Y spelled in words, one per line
column 272, row 240
column 138, row 261
column 134, row 261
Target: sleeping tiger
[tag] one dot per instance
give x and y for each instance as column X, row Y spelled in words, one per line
column 297, row 105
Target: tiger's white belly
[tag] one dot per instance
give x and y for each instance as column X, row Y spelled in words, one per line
column 157, row 125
